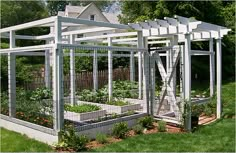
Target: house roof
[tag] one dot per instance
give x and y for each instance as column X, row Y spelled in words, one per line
column 111, row 17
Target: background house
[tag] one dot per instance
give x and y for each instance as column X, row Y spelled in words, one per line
column 89, row 12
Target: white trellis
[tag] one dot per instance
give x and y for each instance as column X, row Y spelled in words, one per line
column 169, row 32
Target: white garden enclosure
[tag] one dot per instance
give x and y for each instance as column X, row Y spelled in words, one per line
column 159, row 48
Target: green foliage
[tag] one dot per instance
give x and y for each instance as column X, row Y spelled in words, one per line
column 161, row 126
column 83, row 108
column 70, row 139
column 138, row 129
column 40, row 94
column 121, row 89
column 101, row 138
column 117, row 103
column 120, row 130
column 146, row 122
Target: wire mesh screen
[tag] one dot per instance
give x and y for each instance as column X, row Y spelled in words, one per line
column 112, row 93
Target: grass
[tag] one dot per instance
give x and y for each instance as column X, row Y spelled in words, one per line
column 118, row 103
column 15, row 142
column 216, row 137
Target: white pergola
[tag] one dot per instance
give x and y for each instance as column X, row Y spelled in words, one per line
column 168, row 32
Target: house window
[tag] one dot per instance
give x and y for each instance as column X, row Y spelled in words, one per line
column 80, row 35
column 92, row 17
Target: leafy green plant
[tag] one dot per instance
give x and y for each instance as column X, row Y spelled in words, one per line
column 161, row 126
column 101, row 138
column 146, row 122
column 82, row 108
column 70, row 139
column 120, row 130
column 117, row 103
column 138, row 129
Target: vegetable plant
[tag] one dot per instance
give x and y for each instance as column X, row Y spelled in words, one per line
column 120, row 130
column 82, row 108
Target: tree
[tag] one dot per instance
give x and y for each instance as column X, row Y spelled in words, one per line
column 216, row 12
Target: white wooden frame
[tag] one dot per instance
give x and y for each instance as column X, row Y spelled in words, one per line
column 149, row 32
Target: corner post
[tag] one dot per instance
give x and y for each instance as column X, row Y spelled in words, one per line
column 58, row 104
column 132, row 66
column 12, row 77
column 219, row 76
column 187, row 77
column 109, row 39
column 72, row 72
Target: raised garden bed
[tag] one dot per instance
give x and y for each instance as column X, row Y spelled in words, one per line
column 83, row 112
column 113, row 108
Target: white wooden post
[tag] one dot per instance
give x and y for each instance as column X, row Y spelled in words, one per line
column 12, row 77
column 109, row 39
column 95, row 70
column 132, row 66
column 146, row 80
column 47, row 76
column 219, row 76
column 72, row 72
column 145, row 44
column 152, row 82
column 140, row 45
column 58, row 105
column 187, row 82
column 212, row 67
column 174, row 42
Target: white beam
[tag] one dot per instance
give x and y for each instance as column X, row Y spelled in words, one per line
column 95, row 70
column 132, row 67
column 28, row 25
column 47, row 68
column 93, row 23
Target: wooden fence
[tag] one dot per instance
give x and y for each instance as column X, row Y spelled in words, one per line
column 84, row 80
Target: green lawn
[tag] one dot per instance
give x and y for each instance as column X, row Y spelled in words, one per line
column 216, row 137
column 15, row 142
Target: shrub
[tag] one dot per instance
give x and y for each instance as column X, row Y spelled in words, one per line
column 161, row 126
column 138, row 129
column 101, row 138
column 120, row 130
column 82, row 108
column 146, row 122
column 70, row 139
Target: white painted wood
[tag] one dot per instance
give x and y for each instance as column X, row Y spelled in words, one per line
column 94, row 23
column 187, row 77
column 12, row 77
column 146, row 78
column 110, row 76
column 219, row 77
column 29, row 24
column 212, row 68
column 132, row 67
column 72, row 72
column 152, row 83
column 174, row 42
column 47, row 68
column 95, row 70
column 27, row 49
column 58, row 104
column 145, row 43
column 140, row 45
